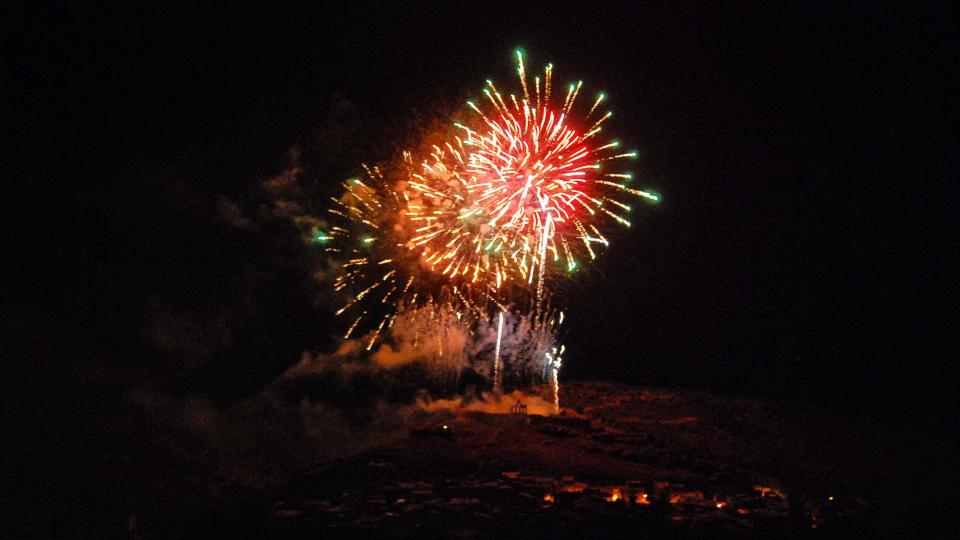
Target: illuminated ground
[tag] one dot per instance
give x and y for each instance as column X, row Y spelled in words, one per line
column 620, row 461
column 671, row 463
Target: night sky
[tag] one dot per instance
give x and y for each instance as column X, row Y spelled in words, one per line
column 802, row 154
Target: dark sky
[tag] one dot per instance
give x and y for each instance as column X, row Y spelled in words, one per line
column 802, row 153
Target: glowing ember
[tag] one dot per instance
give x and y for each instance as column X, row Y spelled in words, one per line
column 574, row 487
column 615, row 495
column 687, row 497
column 767, row 491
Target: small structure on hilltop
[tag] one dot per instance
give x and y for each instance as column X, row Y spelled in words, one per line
column 518, row 408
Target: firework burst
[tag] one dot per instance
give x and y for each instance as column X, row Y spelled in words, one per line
column 378, row 272
column 524, row 182
column 466, row 233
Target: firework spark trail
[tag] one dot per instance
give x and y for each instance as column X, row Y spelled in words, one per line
column 538, row 302
column 553, row 364
column 445, row 343
column 496, row 354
